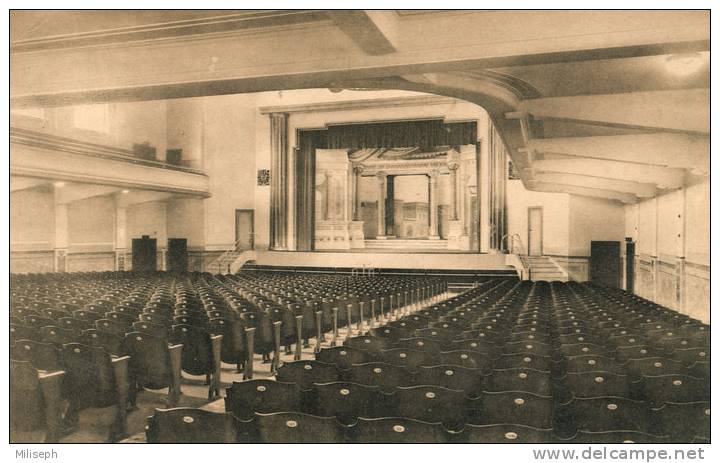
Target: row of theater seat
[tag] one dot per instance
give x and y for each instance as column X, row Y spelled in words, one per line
column 108, row 334
column 539, row 362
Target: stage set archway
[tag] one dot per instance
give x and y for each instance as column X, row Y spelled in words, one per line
column 408, row 185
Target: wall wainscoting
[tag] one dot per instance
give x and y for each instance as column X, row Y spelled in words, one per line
column 32, row 261
column 674, row 283
column 577, row 267
column 90, row 262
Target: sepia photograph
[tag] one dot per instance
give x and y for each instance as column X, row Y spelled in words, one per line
column 359, row 226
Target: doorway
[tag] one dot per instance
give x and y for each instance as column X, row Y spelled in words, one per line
column 535, row 231
column 244, row 229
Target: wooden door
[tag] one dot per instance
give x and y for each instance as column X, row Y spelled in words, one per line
column 244, row 229
column 144, row 254
column 535, row 231
column 605, row 265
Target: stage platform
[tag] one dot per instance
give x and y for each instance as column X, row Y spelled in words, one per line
column 491, row 264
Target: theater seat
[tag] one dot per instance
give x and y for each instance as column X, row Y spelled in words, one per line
column 397, row 431
column 245, row 398
column 191, row 426
column 348, row 401
column 35, row 403
column 296, row 428
column 504, row 434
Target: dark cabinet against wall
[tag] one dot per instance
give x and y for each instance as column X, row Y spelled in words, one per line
column 605, row 264
column 177, row 256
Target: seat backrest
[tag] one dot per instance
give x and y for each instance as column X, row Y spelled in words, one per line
column 371, row 344
column 296, row 428
column 305, row 373
column 27, row 405
column 57, row 335
column 398, row 431
column 683, row 422
column 245, row 398
column 505, row 434
column 515, row 407
column 600, row 414
column 149, row 360
column 342, row 356
column 431, row 404
column 113, row 344
column 42, row 356
column 191, row 426
column 89, row 375
column 348, row 401
column 387, row 377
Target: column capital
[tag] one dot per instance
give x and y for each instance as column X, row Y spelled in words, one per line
column 453, row 165
column 434, row 174
column 358, row 169
column 277, row 116
column 381, row 176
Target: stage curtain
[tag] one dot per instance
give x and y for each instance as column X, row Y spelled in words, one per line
column 308, row 142
column 423, row 134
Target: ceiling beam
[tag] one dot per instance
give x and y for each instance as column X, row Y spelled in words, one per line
column 316, row 55
column 374, row 31
column 72, row 192
column 662, row 149
column 673, row 110
column 641, row 190
column 625, row 198
column 18, row 183
column 663, row 177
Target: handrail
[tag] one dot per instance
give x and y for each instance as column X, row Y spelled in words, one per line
column 224, row 255
column 516, row 245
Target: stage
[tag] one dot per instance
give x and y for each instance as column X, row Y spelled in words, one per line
column 493, row 263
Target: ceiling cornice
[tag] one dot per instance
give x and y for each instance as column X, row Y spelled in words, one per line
column 395, row 102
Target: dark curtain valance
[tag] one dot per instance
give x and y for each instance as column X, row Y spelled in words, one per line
column 401, row 134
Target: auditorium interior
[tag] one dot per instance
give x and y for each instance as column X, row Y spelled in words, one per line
column 359, row 226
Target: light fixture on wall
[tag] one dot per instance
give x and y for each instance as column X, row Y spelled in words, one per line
column 125, row 192
column 685, row 64
column 59, row 184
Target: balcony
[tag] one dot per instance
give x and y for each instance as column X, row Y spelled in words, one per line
column 36, row 154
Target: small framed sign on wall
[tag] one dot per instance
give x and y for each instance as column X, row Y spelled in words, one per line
column 263, row 177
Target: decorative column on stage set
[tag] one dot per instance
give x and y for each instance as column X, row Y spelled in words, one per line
column 455, row 233
column 465, row 210
column 357, row 171
column 433, row 212
column 355, row 226
column 278, row 180
column 453, row 166
column 382, row 186
column 328, row 213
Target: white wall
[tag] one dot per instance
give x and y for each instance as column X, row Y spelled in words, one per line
column 556, row 210
column 593, row 219
column 672, row 234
